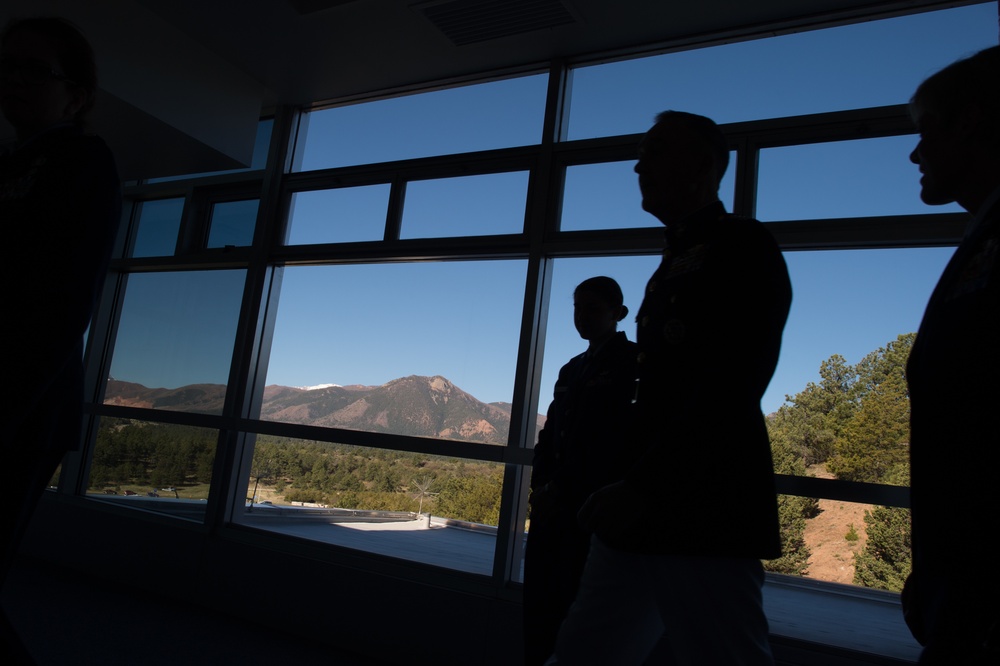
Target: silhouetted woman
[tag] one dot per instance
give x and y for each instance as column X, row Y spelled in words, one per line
column 60, row 199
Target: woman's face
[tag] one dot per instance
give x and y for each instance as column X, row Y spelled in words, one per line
column 34, row 93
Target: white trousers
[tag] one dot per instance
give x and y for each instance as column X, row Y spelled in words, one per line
column 704, row 611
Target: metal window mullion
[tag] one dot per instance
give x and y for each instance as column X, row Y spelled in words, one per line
column 251, row 346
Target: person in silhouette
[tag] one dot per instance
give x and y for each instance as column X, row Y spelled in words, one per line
column 676, row 548
column 950, row 600
column 575, row 455
column 60, row 200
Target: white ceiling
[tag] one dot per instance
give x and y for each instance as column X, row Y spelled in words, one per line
column 184, row 81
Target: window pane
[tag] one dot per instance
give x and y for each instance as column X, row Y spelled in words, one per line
column 343, row 215
column 882, row 62
column 499, row 114
column 233, row 223
column 841, row 179
column 158, row 225
column 175, row 340
column 432, row 509
column 153, row 466
column 422, row 349
column 606, row 196
column 467, row 206
column 603, row 196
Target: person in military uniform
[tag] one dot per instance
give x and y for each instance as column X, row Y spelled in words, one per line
column 579, row 450
column 676, row 548
column 950, row 600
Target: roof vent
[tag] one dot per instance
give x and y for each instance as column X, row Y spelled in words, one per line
column 466, row 22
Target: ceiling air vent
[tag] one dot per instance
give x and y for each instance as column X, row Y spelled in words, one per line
column 470, row 21
column 312, row 6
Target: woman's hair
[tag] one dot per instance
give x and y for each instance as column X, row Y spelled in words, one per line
column 73, row 51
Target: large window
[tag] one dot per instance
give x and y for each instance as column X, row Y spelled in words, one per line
column 854, row 66
column 372, row 338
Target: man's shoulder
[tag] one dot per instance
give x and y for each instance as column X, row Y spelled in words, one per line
column 620, row 347
column 573, row 362
column 743, row 230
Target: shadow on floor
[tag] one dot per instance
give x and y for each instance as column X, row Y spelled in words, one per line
column 65, row 619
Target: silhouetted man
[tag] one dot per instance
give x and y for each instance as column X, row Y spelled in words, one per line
column 952, row 598
column 677, row 544
column 579, row 451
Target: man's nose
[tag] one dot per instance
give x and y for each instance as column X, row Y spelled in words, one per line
column 915, row 154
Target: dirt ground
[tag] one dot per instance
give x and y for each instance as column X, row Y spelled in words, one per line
column 832, row 557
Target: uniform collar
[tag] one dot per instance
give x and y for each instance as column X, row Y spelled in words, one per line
column 682, row 231
column 991, row 202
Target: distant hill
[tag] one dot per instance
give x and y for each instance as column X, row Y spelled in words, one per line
column 199, row 398
column 415, row 405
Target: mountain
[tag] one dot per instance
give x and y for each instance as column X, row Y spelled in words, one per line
column 415, row 405
column 198, row 398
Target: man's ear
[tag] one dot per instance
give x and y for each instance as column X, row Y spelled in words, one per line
column 622, row 313
column 970, row 121
column 78, row 100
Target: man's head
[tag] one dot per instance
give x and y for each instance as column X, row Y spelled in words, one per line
column 597, row 308
column 47, row 74
column 957, row 112
column 682, row 160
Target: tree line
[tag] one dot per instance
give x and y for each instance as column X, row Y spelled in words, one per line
column 856, row 422
column 139, row 456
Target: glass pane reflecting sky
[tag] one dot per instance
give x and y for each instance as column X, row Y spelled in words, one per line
column 867, row 64
column 841, row 179
column 499, row 114
column 467, row 206
column 342, row 215
column 233, row 223
column 159, row 223
column 178, row 328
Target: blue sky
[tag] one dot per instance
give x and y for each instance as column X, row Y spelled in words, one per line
column 367, row 324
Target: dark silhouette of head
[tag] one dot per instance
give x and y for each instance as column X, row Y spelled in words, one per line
column 47, row 51
column 970, row 82
column 957, row 112
column 682, row 160
column 704, row 131
column 598, row 306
